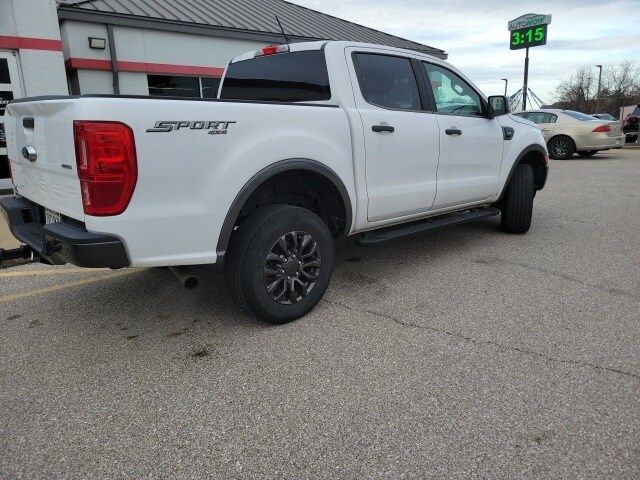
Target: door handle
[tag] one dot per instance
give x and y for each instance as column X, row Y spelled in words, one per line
column 383, row 128
column 453, row 131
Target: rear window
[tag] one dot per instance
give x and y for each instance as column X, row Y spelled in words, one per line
column 284, row 77
column 579, row 116
column 541, row 117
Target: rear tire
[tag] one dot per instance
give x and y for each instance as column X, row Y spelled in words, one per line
column 517, row 203
column 279, row 263
column 588, row 154
column 561, row 147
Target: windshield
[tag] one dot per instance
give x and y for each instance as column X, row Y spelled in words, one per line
column 283, row 77
column 579, row 116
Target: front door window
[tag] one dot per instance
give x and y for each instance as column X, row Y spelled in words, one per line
column 451, row 93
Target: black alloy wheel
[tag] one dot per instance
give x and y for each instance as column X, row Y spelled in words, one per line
column 292, row 267
column 561, row 148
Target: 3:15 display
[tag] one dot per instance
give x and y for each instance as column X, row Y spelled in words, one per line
column 529, row 37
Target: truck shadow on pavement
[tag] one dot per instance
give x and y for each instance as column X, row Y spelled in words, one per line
column 150, row 309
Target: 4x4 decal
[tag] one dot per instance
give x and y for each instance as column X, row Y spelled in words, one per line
column 214, row 127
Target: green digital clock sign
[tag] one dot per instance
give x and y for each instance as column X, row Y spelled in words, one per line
column 528, row 37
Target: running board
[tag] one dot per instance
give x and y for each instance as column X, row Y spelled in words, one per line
column 387, row 234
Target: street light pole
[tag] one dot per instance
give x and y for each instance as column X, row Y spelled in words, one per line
column 599, row 86
column 506, row 82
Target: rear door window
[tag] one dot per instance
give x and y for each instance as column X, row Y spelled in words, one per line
column 388, row 81
column 283, row 77
column 541, row 117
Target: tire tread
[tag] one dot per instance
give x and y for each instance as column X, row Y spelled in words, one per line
column 517, row 205
column 241, row 252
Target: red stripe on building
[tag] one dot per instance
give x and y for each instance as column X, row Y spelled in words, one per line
column 87, row 64
column 169, row 68
column 28, row 43
column 144, row 67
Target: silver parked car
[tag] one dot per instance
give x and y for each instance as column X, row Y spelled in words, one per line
column 567, row 132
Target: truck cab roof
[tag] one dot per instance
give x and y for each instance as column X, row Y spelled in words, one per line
column 324, row 44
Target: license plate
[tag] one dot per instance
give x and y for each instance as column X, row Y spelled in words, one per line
column 618, row 141
column 51, row 217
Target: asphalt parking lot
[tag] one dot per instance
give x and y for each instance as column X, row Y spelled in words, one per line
column 460, row 353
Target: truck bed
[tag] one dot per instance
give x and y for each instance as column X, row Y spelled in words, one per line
column 193, row 157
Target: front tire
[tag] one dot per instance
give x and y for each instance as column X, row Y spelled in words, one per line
column 279, row 263
column 517, row 203
column 588, row 154
column 561, row 147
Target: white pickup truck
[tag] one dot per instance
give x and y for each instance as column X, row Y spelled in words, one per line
column 306, row 143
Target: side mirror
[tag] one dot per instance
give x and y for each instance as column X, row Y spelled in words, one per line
column 498, row 105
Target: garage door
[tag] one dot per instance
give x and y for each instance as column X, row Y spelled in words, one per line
column 9, row 89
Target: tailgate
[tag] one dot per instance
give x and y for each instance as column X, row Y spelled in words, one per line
column 50, row 179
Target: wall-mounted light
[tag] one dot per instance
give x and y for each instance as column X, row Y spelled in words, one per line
column 97, row 43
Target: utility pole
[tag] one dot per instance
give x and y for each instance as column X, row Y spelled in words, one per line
column 526, row 79
column 599, row 86
column 506, row 82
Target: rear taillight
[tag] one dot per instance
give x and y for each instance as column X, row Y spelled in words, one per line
column 602, row 129
column 107, row 166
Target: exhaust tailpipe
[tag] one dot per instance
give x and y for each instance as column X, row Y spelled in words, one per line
column 185, row 276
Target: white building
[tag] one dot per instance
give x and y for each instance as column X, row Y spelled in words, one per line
column 148, row 47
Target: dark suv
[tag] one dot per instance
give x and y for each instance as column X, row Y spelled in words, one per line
column 630, row 125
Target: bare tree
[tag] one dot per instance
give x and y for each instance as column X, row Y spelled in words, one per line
column 620, row 86
column 622, row 83
column 579, row 90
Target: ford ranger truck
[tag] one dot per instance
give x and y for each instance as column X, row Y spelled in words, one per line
column 305, row 143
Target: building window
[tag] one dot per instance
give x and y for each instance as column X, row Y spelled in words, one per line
column 210, row 87
column 4, row 71
column 182, row 86
column 173, row 86
column 5, row 98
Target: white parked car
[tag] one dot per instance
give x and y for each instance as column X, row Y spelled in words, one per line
column 568, row 132
column 308, row 142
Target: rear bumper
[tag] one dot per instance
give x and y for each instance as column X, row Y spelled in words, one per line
column 62, row 242
column 600, row 142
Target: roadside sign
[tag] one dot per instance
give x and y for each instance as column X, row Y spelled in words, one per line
column 528, row 30
column 528, row 37
column 529, row 20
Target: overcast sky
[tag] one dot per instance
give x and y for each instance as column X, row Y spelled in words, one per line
column 474, row 34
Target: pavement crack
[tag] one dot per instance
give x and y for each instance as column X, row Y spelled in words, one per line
column 562, row 276
column 475, row 341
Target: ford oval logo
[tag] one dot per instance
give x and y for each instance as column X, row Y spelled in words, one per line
column 30, row 153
